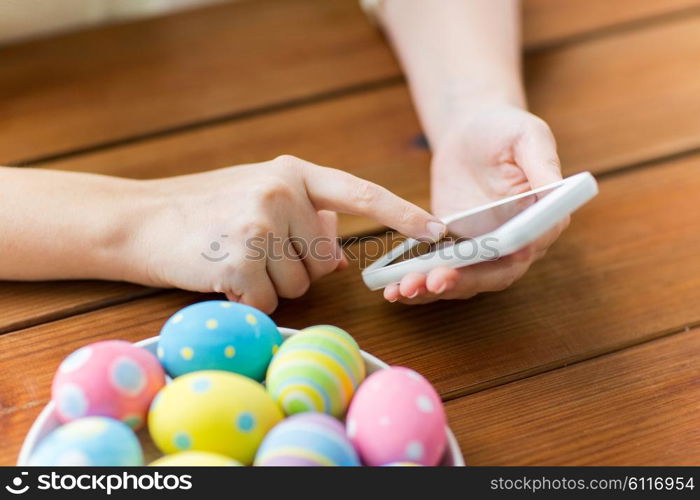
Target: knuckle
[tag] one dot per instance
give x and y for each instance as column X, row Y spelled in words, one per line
column 297, row 290
column 406, row 215
column 328, row 265
column 289, row 163
column 540, row 125
column 365, row 195
column 272, row 189
column 553, row 163
column 286, row 160
column 256, row 229
column 321, row 264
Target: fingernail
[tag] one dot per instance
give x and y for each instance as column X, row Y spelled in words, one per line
column 441, row 288
column 393, row 300
column 414, row 294
column 436, row 230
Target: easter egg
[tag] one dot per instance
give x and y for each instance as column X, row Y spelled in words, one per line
column 307, row 439
column 318, row 369
column 89, row 441
column 396, row 416
column 402, row 464
column 215, row 411
column 218, row 335
column 195, row 459
column 112, row 378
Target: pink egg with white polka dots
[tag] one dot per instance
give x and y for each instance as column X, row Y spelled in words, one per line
column 396, row 416
column 112, row 378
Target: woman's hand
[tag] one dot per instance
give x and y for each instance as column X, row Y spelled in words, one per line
column 256, row 232
column 494, row 152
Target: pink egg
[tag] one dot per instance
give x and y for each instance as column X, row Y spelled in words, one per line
column 112, row 378
column 396, row 416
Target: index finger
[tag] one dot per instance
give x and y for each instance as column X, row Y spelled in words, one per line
column 331, row 189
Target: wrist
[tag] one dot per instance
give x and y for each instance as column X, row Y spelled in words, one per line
column 121, row 248
column 462, row 102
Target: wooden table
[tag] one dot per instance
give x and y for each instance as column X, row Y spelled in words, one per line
column 593, row 358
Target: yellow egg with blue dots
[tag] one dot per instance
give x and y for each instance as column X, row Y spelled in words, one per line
column 218, row 335
column 318, row 369
column 212, row 411
column 195, row 459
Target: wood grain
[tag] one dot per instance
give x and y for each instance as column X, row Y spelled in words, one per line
column 27, row 304
column 29, row 357
column 340, row 137
column 607, row 107
column 639, row 406
column 110, row 83
column 621, row 100
column 373, row 135
column 624, row 273
column 551, row 22
column 123, row 82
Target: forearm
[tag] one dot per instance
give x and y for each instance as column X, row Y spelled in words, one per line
column 456, row 54
column 65, row 225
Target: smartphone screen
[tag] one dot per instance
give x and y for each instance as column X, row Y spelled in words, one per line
column 476, row 224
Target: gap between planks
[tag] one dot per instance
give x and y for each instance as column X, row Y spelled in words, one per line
column 450, row 395
column 566, row 363
column 610, row 31
column 217, row 120
column 329, row 95
column 88, row 308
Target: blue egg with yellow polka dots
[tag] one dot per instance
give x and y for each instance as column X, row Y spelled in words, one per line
column 218, row 335
column 90, row 442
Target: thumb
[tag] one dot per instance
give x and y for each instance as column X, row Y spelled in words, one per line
column 331, row 189
column 536, row 154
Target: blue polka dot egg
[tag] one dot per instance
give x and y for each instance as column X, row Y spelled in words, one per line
column 218, row 335
column 212, row 411
column 89, row 441
column 307, row 439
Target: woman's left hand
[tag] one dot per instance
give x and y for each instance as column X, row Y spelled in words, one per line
column 495, row 152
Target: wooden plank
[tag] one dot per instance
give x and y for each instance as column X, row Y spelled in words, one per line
column 373, row 135
column 30, row 357
column 639, row 406
column 549, row 22
column 26, row 304
column 602, row 102
column 340, row 137
column 121, row 82
column 109, row 83
column 623, row 99
column 624, row 273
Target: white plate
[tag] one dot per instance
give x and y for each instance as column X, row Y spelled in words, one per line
column 47, row 420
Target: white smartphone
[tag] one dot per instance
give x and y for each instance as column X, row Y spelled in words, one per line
column 487, row 232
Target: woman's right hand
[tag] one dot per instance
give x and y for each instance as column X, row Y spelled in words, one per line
column 256, row 232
